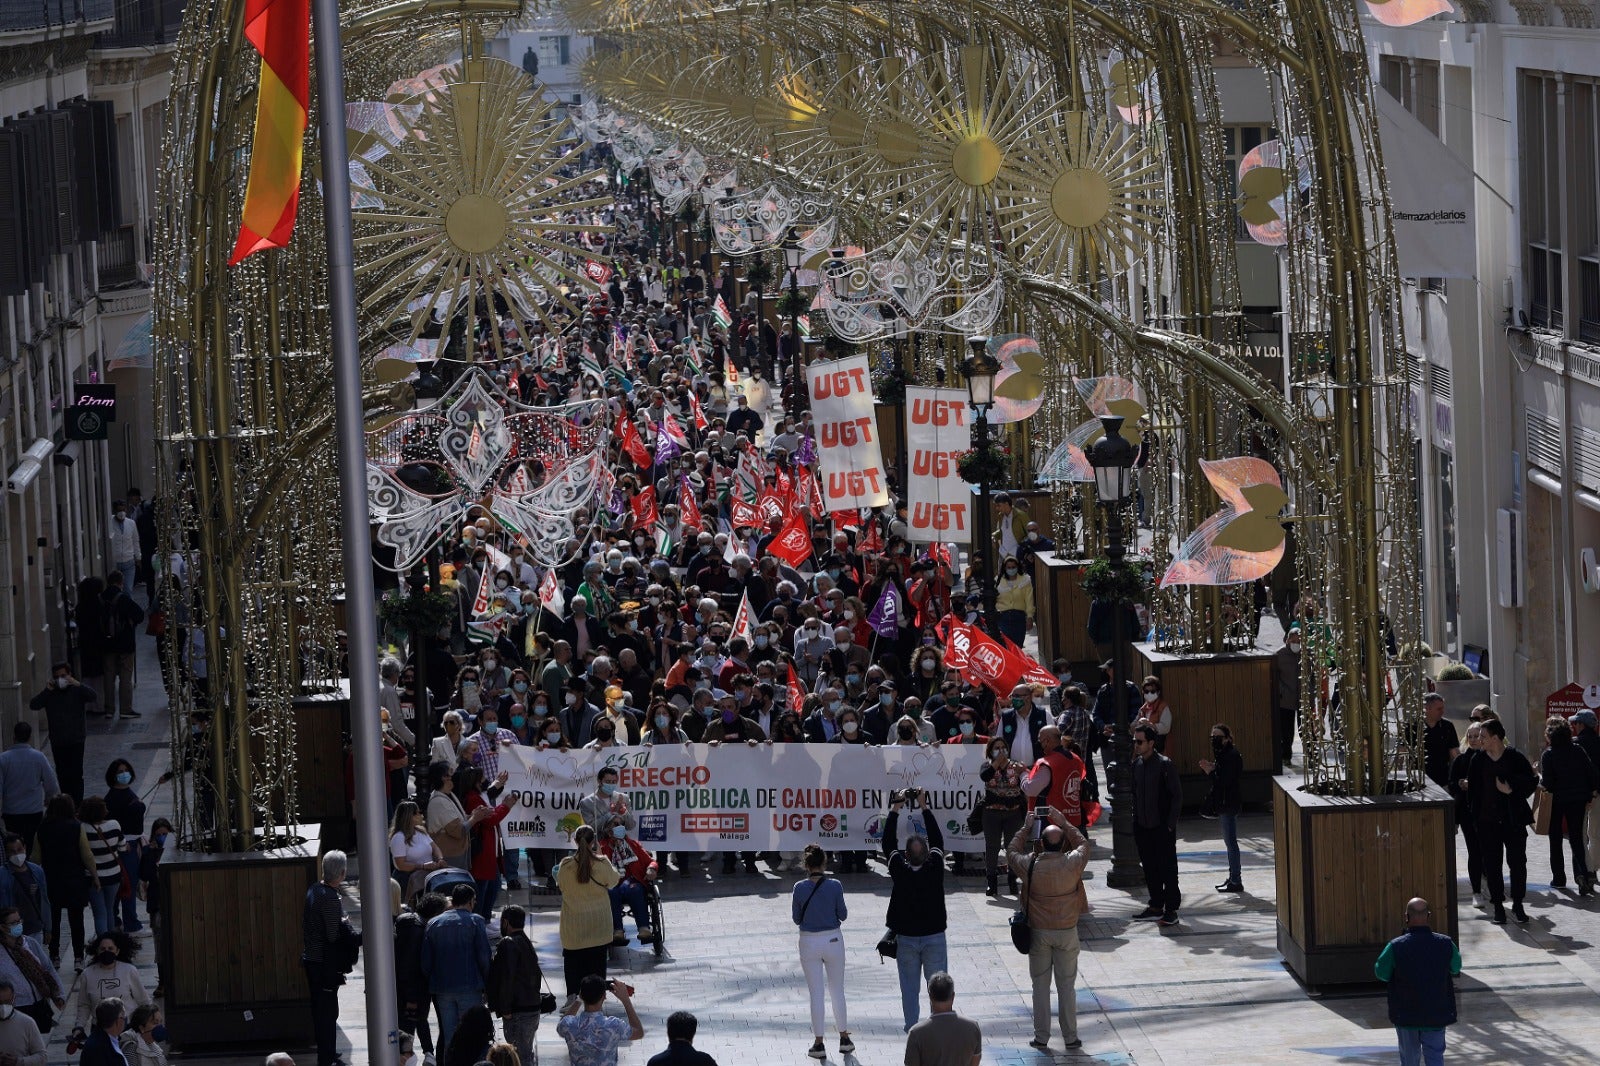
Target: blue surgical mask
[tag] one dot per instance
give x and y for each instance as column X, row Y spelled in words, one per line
column 619, row 831
column 15, row 929
column 608, row 789
column 491, row 728
column 711, row 712
column 968, row 728
column 885, row 699
column 519, row 686
column 761, row 640
column 124, row 778
column 852, row 679
column 518, row 721
column 159, row 1034
column 661, row 721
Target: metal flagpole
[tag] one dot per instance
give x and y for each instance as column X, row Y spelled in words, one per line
column 361, row 619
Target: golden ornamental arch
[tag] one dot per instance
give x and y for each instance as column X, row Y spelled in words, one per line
column 1071, row 149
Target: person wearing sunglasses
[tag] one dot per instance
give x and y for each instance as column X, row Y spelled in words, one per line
column 1157, row 798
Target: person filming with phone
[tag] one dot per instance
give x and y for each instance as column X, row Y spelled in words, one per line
column 916, row 902
column 1048, row 854
column 592, row 1036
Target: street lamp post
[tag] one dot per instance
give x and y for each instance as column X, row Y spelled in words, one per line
column 980, row 370
column 792, row 255
column 1112, row 459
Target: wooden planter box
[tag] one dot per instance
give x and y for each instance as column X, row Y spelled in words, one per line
column 1062, row 611
column 1346, row 867
column 321, row 722
column 1234, row 688
column 230, row 942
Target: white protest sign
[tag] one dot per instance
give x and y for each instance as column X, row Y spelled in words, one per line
column 771, row 797
column 938, row 430
column 849, row 459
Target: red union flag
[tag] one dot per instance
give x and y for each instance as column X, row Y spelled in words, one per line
column 598, row 273
column 793, row 542
column 1027, row 667
column 644, row 508
column 771, row 505
column 744, row 621
column 957, row 643
column 986, row 661
column 744, row 515
column 688, row 507
column 797, row 693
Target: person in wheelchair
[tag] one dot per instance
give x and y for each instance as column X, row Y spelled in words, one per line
column 639, row 873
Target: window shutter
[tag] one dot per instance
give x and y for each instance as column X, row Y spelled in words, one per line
column 84, row 177
column 107, row 197
column 38, row 220
column 61, row 179
column 13, row 274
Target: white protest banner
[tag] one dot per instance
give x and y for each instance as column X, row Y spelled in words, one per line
column 771, row 797
column 938, row 430
column 849, row 459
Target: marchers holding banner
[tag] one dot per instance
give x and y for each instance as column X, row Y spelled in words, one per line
column 938, row 430
column 771, row 797
column 849, row 458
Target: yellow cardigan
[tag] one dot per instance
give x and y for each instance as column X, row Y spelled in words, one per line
column 585, row 906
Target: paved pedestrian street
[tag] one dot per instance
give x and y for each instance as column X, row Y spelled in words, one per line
column 1211, row 991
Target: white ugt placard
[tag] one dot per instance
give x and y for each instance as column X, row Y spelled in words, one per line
column 849, row 459
column 938, row 430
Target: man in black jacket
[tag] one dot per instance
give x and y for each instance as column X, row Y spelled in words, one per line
column 1499, row 781
column 514, row 982
column 1157, row 799
column 916, row 901
column 66, row 702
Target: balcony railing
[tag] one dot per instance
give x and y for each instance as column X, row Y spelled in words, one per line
column 22, row 16
column 118, row 259
column 141, row 23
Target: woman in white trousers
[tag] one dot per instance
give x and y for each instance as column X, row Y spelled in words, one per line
column 819, row 910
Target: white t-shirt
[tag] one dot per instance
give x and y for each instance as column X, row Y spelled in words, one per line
column 418, row 852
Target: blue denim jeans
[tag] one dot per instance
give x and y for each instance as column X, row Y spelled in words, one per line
column 130, row 906
column 630, row 893
column 103, row 903
column 1421, row 1046
column 1230, row 840
column 919, row 958
column 451, row 1006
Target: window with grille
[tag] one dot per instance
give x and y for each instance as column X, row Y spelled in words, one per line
column 555, row 51
column 1560, row 177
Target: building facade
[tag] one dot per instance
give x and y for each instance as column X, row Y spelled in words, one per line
column 549, row 50
column 70, row 286
column 1508, row 360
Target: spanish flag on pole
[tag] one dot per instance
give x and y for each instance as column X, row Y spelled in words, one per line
column 280, row 30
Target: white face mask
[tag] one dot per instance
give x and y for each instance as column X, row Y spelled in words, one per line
column 62, row 682
column 6, row 1011
column 849, row 615
column 18, row 860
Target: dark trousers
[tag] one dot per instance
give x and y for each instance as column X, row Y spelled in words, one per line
column 1286, row 722
column 24, row 825
column 578, row 963
column 998, row 829
column 1158, row 855
column 69, row 767
column 1503, row 846
column 1566, row 820
column 74, row 913
column 1469, row 836
column 41, row 1012
column 324, row 982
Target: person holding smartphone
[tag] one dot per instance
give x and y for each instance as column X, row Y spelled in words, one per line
column 593, row 1037
column 916, row 901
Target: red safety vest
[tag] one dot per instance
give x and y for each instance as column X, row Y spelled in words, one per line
column 1066, row 781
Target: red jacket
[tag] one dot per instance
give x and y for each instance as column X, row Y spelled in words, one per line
column 636, row 867
column 486, row 862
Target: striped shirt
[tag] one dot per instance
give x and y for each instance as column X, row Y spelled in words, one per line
column 105, row 842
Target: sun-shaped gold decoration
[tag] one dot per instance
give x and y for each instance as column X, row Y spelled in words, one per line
column 946, row 138
column 1084, row 198
column 474, row 202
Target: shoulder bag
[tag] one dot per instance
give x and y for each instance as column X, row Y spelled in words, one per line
column 1021, row 931
column 807, row 905
column 888, row 946
column 454, row 839
column 125, row 883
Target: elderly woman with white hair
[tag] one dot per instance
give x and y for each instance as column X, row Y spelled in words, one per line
column 447, row 749
column 325, row 952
